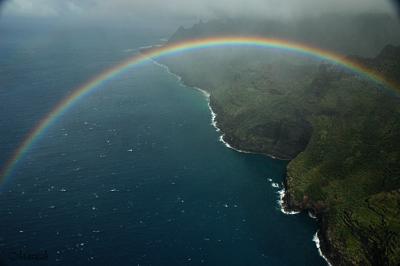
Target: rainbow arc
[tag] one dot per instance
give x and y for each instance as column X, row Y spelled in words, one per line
column 91, row 85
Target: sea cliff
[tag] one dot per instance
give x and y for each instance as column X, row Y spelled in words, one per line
column 340, row 130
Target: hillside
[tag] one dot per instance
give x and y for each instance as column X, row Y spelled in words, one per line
column 362, row 35
column 349, row 174
column 342, row 133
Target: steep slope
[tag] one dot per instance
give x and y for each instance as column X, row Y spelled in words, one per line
column 342, row 132
column 363, row 35
column 349, row 174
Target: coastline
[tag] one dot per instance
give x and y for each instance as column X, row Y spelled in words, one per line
column 213, row 114
column 282, row 201
column 317, row 242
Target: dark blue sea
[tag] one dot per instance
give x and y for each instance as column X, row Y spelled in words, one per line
column 135, row 173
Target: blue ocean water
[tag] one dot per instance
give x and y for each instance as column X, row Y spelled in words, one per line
column 134, row 174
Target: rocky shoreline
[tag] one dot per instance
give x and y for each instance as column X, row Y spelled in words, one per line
column 330, row 123
column 324, row 244
column 288, row 205
column 324, row 247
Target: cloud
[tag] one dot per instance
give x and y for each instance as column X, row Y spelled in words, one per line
column 396, row 3
column 204, row 9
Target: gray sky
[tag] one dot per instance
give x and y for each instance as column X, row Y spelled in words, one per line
column 185, row 9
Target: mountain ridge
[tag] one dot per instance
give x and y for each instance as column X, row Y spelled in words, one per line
column 341, row 133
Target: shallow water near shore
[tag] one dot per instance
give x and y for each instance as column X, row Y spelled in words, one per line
column 135, row 173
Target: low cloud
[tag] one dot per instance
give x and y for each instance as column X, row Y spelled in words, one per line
column 194, row 9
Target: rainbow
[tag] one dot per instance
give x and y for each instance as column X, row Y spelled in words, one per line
column 91, row 85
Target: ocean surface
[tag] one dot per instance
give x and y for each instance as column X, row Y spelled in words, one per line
column 135, row 173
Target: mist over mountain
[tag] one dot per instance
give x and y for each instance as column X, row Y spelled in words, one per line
column 188, row 199
column 339, row 130
column 364, row 34
column 177, row 12
column 396, row 3
column 359, row 27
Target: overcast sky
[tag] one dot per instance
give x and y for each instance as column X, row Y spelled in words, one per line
column 185, row 9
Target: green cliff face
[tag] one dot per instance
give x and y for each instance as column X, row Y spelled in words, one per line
column 253, row 99
column 350, row 171
column 341, row 131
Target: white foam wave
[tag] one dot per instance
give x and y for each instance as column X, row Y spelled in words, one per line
column 138, row 49
column 213, row 114
column 282, row 193
column 130, row 50
column 311, row 215
column 149, row 46
column 318, row 244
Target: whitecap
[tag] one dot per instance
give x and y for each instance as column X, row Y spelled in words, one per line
column 148, row 47
column 130, row 50
column 213, row 114
column 221, row 137
column 318, row 244
column 311, row 215
column 281, row 203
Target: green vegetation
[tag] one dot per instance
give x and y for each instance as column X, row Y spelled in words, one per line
column 252, row 100
column 342, row 132
column 350, row 171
